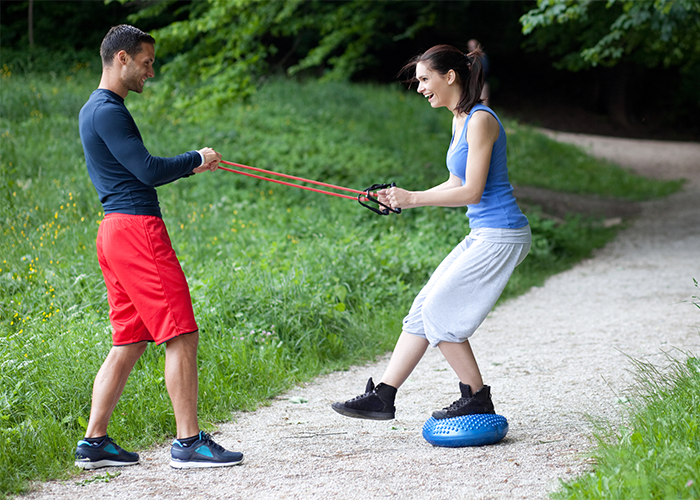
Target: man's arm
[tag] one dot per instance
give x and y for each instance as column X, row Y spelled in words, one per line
column 118, row 130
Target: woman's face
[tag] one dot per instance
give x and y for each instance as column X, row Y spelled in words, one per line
column 437, row 88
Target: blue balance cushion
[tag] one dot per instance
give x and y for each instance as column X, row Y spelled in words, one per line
column 468, row 430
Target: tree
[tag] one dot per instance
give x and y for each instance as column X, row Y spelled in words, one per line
column 617, row 33
column 652, row 32
column 69, row 25
column 217, row 53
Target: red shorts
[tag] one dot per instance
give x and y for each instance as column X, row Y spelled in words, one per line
column 147, row 291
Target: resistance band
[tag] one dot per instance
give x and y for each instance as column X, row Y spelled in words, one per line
column 363, row 197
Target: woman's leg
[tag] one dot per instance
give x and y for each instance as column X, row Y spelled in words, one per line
column 475, row 396
column 411, row 347
column 408, row 352
column 461, row 359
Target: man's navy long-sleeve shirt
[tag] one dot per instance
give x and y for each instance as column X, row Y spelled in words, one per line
column 122, row 170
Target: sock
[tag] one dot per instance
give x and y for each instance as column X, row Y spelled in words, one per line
column 186, row 442
column 95, row 440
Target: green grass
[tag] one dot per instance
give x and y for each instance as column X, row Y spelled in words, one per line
column 568, row 168
column 286, row 284
column 655, row 454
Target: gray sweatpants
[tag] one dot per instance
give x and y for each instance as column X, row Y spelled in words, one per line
column 466, row 285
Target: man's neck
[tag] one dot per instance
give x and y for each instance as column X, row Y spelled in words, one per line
column 109, row 82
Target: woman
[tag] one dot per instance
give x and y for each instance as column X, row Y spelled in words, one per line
column 466, row 285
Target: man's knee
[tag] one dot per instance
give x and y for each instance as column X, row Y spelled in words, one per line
column 185, row 341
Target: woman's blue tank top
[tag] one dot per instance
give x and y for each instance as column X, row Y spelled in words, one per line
column 497, row 208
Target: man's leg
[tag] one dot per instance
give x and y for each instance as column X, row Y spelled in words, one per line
column 97, row 450
column 181, row 379
column 192, row 448
column 109, row 384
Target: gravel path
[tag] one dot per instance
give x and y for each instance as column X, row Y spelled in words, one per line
column 553, row 357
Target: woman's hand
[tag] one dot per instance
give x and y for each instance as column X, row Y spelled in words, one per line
column 395, row 197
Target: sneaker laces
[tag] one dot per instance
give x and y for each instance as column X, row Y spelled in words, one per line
column 206, row 438
column 369, row 390
column 361, row 396
column 457, row 404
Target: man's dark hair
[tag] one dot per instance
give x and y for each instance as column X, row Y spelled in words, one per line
column 123, row 37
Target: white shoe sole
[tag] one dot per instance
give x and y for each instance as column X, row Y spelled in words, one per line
column 177, row 464
column 87, row 465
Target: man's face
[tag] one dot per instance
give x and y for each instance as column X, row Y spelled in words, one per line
column 139, row 69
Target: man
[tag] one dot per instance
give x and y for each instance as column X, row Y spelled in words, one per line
column 148, row 295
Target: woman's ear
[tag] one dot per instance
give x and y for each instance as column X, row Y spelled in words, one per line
column 451, row 77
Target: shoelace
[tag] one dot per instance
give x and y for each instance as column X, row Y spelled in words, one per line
column 211, row 443
column 362, row 396
column 457, row 404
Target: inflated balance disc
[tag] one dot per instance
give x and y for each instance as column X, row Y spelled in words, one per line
column 468, row 430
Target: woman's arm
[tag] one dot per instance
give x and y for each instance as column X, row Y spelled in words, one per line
column 481, row 135
column 452, row 182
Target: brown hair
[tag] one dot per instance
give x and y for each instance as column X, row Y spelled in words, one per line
column 468, row 67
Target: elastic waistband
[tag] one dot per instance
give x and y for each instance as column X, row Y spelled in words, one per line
column 119, row 215
column 502, row 235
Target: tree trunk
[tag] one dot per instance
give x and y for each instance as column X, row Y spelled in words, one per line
column 30, row 23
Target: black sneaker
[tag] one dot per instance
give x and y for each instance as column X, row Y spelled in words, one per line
column 468, row 404
column 106, row 453
column 204, row 452
column 377, row 403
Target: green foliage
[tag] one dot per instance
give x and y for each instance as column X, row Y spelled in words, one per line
column 656, row 453
column 58, row 26
column 219, row 53
column 286, row 284
column 587, row 33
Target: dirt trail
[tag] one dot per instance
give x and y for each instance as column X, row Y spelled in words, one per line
column 552, row 356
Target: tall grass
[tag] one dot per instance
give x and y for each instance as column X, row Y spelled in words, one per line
column 654, row 453
column 285, row 284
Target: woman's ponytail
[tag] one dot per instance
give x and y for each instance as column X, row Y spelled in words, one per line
column 469, row 69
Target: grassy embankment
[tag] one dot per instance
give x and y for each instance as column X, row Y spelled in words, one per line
column 286, row 284
column 654, row 452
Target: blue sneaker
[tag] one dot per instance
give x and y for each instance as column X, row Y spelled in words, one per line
column 202, row 453
column 106, row 453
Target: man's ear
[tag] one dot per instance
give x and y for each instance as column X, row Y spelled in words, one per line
column 122, row 57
